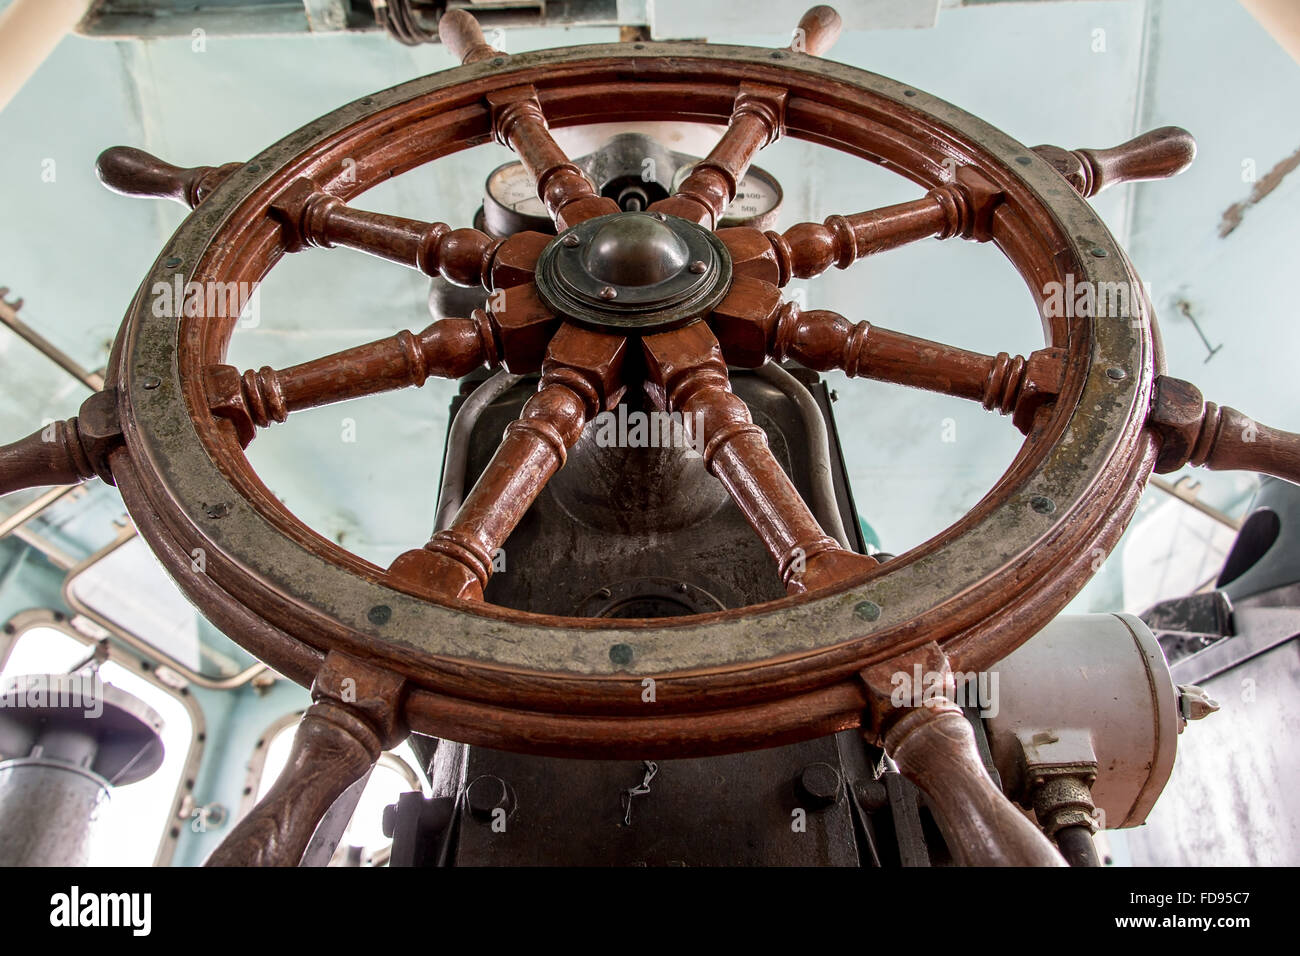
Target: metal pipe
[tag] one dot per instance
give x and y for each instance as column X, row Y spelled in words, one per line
column 452, row 492
column 92, row 380
column 825, row 505
column 1077, row 846
column 1189, row 498
column 48, row 811
column 12, row 570
column 29, row 32
column 34, row 507
column 57, row 556
column 9, row 316
column 402, row 768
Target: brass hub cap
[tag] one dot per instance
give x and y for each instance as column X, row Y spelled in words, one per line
column 634, row 272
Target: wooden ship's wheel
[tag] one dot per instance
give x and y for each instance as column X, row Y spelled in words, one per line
column 657, row 300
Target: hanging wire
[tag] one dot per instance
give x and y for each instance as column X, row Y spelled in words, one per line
column 401, row 21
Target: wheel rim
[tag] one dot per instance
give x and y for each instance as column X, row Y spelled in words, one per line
column 755, row 676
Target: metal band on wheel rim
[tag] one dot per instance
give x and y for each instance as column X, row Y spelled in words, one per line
column 756, row 676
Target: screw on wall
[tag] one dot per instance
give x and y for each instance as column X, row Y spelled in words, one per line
column 1185, row 307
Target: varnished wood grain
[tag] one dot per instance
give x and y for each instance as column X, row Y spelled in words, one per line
column 688, row 370
column 817, row 31
column 580, row 377
column 1158, row 154
column 133, row 172
column 1193, row 431
column 932, row 742
column 449, row 348
column 357, row 713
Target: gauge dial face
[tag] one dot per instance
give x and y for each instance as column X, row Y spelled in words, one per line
column 758, row 198
column 514, row 195
column 512, row 204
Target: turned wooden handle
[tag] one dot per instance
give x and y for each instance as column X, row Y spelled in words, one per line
column 1158, row 154
column 52, row 455
column 934, row 747
column 133, row 172
column 1231, row 441
column 1193, row 431
column 331, row 751
column 817, row 31
column 463, row 37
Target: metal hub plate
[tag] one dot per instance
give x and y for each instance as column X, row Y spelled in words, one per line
column 634, row 272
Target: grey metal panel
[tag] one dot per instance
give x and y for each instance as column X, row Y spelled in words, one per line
column 737, row 810
column 1234, row 796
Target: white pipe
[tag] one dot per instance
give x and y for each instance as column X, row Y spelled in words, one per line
column 29, row 32
column 1281, row 18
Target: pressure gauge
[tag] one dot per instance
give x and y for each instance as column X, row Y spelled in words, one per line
column 757, row 203
column 511, row 205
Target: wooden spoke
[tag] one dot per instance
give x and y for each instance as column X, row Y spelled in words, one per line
column 934, row 747
column 817, row 31
column 1193, row 431
column 133, row 172
column 752, row 323
column 312, row 217
column 67, row 452
column 518, row 122
column 51, row 455
column 757, row 119
column 687, row 373
column 581, row 376
column 1158, row 154
column 963, row 207
column 449, row 348
column 1012, row 385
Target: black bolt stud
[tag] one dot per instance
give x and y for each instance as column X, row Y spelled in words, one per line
column 818, row 786
column 485, row 795
column 872, row 795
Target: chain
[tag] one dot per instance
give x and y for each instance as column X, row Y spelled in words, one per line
column 641, row 789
